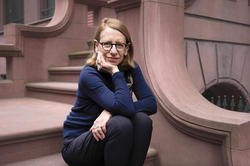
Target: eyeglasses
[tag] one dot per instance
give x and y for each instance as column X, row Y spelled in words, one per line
column 108, row 46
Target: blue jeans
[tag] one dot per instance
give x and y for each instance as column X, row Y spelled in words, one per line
column 126, row 144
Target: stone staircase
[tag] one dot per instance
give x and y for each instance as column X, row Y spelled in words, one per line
column 62, row 84
column 31, row 127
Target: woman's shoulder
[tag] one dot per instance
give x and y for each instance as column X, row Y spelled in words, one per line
column 136, row 68
column 88, row 70
column 136, row 64
column 88, row 74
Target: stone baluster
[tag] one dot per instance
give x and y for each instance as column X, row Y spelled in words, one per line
column 232, row 104
column 240, row 104
column 212, row 100
column 225, row 102
column 218, row 102
column 247, row 106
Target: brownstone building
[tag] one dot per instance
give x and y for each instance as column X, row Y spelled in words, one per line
column 194, row 54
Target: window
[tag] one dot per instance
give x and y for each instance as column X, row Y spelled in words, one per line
column 47, row 8
column 14, row 11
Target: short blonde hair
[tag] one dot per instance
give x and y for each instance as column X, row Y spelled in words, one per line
column 128, row 61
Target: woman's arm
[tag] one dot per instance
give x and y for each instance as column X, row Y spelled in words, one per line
column 117, row 102
column 146, row 100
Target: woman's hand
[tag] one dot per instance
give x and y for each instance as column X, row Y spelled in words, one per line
column 99, row 127
column 102, row 65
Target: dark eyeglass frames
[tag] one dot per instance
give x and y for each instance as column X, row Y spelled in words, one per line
column 108, row 46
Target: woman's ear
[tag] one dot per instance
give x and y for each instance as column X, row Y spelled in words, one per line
column 126, row 51
column 96, row 46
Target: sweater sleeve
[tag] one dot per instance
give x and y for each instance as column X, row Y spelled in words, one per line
column 146, row 100
column 117, row 102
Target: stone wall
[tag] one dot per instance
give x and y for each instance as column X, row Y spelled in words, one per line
column 217, row 43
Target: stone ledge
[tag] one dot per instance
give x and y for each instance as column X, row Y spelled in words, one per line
column 8, row 50
column 28, row 123
column 53, row 87
column 65, row 69
column 79, row 54
column 26, row 117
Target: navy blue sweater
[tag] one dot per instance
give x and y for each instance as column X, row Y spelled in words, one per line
column 98, row 91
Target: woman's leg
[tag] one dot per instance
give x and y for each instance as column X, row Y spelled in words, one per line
column 142, row 136
column 83, row 150
column 120, row 140
column 114, row 150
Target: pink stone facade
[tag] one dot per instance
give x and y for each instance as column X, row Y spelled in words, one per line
column 219, row 32
column 183, row 48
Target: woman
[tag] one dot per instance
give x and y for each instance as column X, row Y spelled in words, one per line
column 105, row 126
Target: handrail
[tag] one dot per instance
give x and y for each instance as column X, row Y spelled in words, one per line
column 62, row 16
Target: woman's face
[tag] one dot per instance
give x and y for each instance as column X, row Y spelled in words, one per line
column 113, row 46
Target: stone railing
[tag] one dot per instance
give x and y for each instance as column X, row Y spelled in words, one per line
column 214, row 135
column 229, row 102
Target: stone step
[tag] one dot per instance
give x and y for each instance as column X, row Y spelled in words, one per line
column 49, row 160
column 30, row 128
column 55, row 91
column 64, row 92
column 152, row 158
column 65, row 73
column 56, row 160
column 79, row 58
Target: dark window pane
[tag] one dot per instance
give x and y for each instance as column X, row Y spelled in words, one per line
column 14, row 11
column 47, row 8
